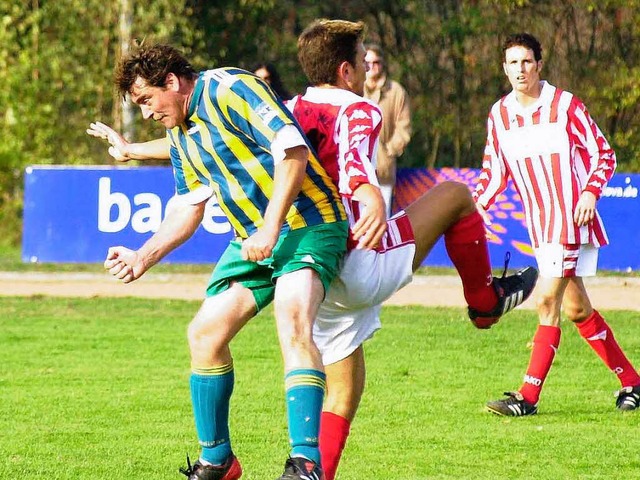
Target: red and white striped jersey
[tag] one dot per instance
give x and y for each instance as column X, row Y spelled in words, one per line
column 343, row 128
column 553, row 151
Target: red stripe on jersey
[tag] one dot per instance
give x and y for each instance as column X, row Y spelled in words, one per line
column 535, row 118
column 504, row 114
column 571, row 113
column 553, row 116
column 534, row 195
column 557, row 174
column 547, row 217
column 520, row 120
column 599, row 236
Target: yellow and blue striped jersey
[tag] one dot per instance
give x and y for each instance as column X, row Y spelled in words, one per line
column 225, row 144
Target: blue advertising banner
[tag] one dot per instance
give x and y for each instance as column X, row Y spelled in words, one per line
column 74, row 214
column 619, row 207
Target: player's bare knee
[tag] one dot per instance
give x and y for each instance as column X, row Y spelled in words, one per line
column 459, row 197
column 577, row 313
column 201, row 338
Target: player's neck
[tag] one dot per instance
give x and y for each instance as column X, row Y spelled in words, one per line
column 530, row 96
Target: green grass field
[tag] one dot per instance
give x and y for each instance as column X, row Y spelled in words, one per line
column 98, row 389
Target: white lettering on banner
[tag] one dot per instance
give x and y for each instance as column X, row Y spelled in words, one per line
column 115, row 212
column 211, row 212
column 106, row 200
column 621, row 192
column 147, row 219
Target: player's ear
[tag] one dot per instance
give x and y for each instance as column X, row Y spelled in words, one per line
column 540, row 64
column 345, row 75
column 172, row 82
column 504, row 68
column 345, row 72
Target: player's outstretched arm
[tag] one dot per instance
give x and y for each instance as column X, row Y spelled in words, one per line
column 123, row 151
column 180, row 223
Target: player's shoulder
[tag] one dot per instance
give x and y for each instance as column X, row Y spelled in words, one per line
column 564, row 99
column 337, row 97
column 227, row 76
column 357, row 101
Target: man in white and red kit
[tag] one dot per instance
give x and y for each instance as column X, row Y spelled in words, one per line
column 544, row 139
column 343, row 127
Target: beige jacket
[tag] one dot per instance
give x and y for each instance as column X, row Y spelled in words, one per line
column 396, row 126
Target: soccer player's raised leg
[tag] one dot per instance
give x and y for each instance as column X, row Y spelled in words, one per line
column 448, row 209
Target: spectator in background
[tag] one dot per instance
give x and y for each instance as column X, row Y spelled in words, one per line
column 268, row 73
column 396, row 119
column 546, row 141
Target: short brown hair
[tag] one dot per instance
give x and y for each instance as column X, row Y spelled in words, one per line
column 152, row 63
column 525, row 40
column 325, row 44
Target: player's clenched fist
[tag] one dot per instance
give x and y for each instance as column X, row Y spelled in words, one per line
column 259, row 246
column 124, row 264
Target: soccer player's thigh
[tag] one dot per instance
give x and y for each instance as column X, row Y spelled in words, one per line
column 434, row 212
column 576, row 303
column 305, row 261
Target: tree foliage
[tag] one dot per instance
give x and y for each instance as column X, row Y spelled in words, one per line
column 57, row 58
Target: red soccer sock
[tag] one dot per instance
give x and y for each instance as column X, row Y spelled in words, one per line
column 598, row 334
column 334, row 431
column 545, row 344
column 466, row 244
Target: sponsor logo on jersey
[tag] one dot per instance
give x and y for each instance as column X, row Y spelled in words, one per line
column 359, row 115
column 266, row 112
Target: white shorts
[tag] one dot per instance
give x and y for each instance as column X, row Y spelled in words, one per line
column 350, row 313
column 564, row 261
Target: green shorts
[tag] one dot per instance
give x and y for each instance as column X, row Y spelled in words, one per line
column 319, row 247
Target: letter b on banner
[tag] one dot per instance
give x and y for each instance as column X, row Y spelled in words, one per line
column 108, row 201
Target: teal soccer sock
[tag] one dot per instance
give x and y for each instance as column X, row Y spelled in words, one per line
column 305, row 393
column 211, row 390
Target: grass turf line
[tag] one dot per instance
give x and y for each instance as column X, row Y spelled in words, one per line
column 98, row 388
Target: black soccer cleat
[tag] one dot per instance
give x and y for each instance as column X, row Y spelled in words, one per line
column 230, row 470
column 628, row 398
column 512, row 406
column 512, row 290
column 300, row 468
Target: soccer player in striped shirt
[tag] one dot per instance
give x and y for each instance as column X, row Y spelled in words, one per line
column 229, row 136
column 544, row 139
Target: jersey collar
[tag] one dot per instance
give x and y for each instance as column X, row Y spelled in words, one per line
column 195, row 98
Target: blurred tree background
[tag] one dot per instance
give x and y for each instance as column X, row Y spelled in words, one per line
column 57, row 58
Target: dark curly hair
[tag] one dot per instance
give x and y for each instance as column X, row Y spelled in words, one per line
column 152, row 63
